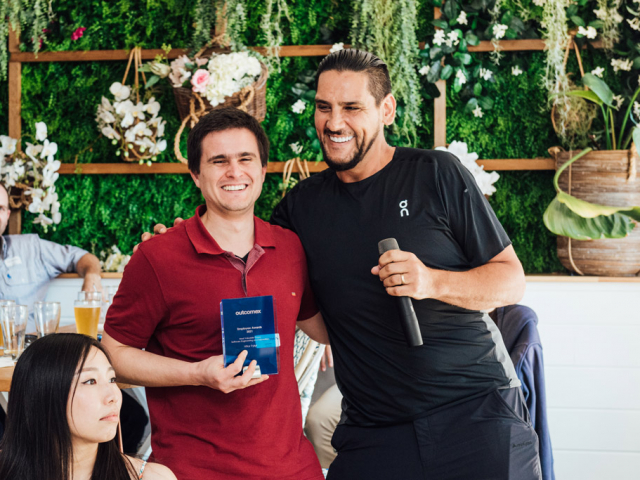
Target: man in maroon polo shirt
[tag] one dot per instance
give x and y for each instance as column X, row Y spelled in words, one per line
column 163, row 329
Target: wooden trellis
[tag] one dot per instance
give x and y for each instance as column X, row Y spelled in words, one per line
column 17, row 58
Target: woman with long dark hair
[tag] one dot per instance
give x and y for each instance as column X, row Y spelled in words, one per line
column 63, row 416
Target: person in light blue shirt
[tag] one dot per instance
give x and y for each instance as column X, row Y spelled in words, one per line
column 30, row 263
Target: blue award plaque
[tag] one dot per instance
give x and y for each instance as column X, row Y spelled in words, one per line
column 250, row 324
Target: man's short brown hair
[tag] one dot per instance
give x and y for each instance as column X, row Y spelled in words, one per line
column 353, row 60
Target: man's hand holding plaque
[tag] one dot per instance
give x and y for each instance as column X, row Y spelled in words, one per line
column 212, row 373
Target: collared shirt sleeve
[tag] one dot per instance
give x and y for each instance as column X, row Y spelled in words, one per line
column 58, row 258
column 138, row 306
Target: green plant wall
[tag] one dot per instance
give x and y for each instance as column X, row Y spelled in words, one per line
column 101, row 211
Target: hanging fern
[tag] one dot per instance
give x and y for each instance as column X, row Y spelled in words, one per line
column 28, row 16
column 270, row 25
column 236, row 17
column 608, row 14
column 387, row 28
column 205, row 15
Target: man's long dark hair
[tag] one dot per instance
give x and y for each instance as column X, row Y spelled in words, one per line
column 37, row 441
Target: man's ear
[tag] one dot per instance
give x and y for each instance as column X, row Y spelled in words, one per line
column 388, row 109
column 196, row 178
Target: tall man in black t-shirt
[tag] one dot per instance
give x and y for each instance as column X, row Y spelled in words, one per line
column 451, row 408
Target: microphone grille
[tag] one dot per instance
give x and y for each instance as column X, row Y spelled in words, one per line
column 387, row 244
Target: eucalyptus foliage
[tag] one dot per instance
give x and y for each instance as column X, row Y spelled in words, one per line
column 387, row 28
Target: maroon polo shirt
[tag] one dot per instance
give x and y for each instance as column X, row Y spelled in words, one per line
column 169, row 304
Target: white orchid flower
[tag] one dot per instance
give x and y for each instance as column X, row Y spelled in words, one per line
column 122, row 108
column 42, row 219
column 119, row 91
column 152, row 107
column 8, row 145
column 41, row 131
column 146, row 142
column 161, row 146
column 33, row 150
column 110, row 133
column 106, row 116
column 50, row 175
column 127, row 120
column 49, row 149
column 36, row 205
column 160, row 128
column 138, row 110
column 106, row 104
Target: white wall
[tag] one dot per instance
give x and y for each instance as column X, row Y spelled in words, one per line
column 591, row 340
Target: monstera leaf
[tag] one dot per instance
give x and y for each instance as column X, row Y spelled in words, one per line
column 571, row 217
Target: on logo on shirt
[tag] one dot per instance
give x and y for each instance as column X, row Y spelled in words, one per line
column 404, row 212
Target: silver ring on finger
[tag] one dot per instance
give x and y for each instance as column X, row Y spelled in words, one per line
column 404, row 282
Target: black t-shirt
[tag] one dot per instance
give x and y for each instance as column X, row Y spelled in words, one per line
column 431, row 204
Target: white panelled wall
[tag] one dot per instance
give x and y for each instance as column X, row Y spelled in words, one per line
column 590, row 334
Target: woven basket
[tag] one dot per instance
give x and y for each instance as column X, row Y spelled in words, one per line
column 605, row 177
column 17, row 198
column 256, row 107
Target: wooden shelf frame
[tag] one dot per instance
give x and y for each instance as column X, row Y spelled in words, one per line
column 272, row 167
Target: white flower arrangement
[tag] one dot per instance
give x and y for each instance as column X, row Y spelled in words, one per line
column 516, row 71
column 621, row 64
column 588, row 32
column 499, row 31
column 299, row 106
column 485, row 180
column 223, row 76
column 32, row 175
column 485, row 73
column 462, row 18
column 598, row 72
column 135, row 127
column 336, row 47
column 477, row 112
column 296, row 148
column 114, row 260
column 617, row 102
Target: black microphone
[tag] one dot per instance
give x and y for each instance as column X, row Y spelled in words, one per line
column 408, row 318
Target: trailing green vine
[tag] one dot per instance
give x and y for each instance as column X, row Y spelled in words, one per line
column 388, row 29
column 28, row 16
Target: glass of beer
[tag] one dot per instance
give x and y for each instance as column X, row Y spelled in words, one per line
column 87, row 313
column 14, row 325
column 47, row 316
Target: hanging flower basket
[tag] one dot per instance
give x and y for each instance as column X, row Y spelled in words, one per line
column 230, row 80
column 251, row 99
column 135, row 128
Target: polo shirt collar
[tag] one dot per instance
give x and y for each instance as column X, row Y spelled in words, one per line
column 203, row 242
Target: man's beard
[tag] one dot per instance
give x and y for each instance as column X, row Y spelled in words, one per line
column 357, row 157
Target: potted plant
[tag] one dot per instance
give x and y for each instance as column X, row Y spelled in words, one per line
column 598, row 191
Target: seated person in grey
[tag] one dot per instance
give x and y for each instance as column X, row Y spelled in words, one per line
column 30, row 263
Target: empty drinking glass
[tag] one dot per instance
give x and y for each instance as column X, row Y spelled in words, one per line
column 47, row 316
column 14, row 324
